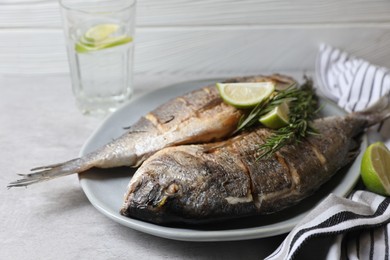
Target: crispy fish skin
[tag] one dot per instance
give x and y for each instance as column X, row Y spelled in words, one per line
column 197, row 117
column 195, row 184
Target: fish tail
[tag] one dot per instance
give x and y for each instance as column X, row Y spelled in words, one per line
column 45, row 173
column 378, row 112
column 110, row 155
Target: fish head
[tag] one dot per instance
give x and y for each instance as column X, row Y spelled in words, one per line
column 168, row 187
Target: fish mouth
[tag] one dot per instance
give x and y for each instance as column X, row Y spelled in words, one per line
column 147, row 200
column 150, row 213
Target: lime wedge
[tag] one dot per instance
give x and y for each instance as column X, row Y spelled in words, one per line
column 276, row 118
column 100, row 32
column 245, row 95
column 375, row 169
column 82, row 47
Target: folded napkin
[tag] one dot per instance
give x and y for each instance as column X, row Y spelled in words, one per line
column 359, row 225
column 351, row 82
column 339, row 217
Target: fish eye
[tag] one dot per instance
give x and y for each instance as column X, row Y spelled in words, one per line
column 172, row 189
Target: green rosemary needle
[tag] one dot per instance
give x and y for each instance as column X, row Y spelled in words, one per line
column 289, row 94
column 303, row 109
column 303, row 106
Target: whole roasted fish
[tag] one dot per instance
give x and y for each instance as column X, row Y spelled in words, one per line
column 197, row 117
column 196, row 183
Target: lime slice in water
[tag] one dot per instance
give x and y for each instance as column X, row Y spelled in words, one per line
column 100, row 32
column 276, row 118
column 82, row 47
column 101, row 37
column 245, row 95
column 375, row 168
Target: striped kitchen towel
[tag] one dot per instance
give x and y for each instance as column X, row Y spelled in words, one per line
column 359, row 224
column 351, row 82
column 340, row 217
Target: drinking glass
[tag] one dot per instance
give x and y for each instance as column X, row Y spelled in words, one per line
column 100, row 43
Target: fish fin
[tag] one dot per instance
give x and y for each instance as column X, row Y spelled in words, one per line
column 378, row 112
column 354, row 149
column 45, row 173
column 351, row 156
column 382, row 104
column 212, row 147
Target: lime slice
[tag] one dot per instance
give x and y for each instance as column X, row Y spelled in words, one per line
column 375, row 168
column 245, row 95
column 276, row 118
column 100, row 32
column 101, row 37
column 82, row 47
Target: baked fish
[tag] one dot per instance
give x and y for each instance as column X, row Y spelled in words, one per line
column 197, row 117
column 203, row 183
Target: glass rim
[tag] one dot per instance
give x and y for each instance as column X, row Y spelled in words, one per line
column 121, row 8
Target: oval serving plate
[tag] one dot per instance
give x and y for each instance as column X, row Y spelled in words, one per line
column 105, row 187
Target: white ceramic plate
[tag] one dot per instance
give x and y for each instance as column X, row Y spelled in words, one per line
column 105, row 188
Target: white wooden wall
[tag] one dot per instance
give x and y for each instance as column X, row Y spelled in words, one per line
column 207, row 36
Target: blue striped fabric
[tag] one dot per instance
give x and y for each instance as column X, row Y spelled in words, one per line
column 359, row 224
column 352, row 82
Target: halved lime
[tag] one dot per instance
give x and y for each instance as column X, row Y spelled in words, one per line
column 245, row 95
column 100, row 32
column 276, row 118
column 375, row 168
column 82, row 47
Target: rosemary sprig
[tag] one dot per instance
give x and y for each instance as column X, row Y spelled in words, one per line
column 266, row 106
column 303, row 108
column 303, row 104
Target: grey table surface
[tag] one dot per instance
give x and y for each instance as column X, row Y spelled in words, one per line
column 39, row 124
